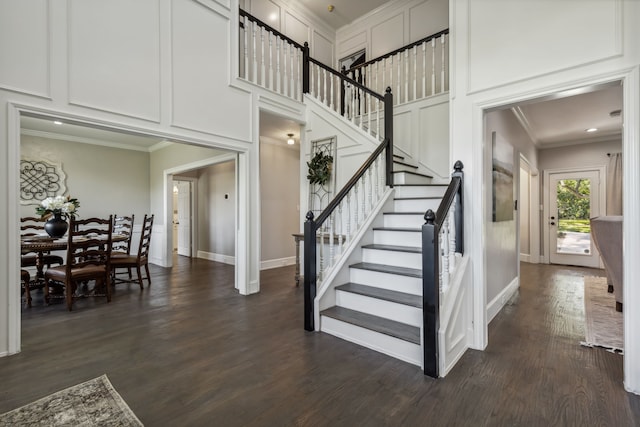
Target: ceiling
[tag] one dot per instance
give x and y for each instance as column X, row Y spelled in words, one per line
column 344, row 11
column 564, row 118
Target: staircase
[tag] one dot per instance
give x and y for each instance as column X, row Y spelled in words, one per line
column 381, row 305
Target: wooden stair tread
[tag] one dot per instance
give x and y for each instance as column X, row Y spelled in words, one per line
column 421, row 185
column 419, row 198
column 382, row 294
column 395, row 248
column 414, row 173
column 374, row 323
column 391, row 269
column 400, row 162
column 403, row 229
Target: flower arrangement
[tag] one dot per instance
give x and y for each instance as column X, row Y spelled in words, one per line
column 60, row 205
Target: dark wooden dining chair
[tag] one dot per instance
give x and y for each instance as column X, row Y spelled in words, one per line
column 25, row 281
column 137, row 261
column 33, row 226
column 122, row 225
column 88, row 258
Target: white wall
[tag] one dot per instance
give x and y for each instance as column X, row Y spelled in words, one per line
column 295, row 21
column 395, row 24
column 501, row 237
column 216, row 214
column 105, row 180
column 508, row 52
column 279, row 194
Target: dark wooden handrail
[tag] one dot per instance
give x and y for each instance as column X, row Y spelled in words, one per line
column 271, row 29
column 402, row 49
column 347, row 79
column 431, row 265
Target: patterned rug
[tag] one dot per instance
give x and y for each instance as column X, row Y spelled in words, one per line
column 603, row 324
column 93, row 403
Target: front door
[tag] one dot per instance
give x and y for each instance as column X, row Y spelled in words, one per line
column 574, row 198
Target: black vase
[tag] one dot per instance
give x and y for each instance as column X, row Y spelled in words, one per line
column 56, row 226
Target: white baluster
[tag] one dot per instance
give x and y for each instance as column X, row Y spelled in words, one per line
column 363, row 203
column 369, row 113
column 370, row 189
column 377, row 166
column 270, row 36
column 263, row 66
column 390, row 73
column 452, row 239
column 331, row 247
column 348, row 235
column 433, row 66
column 331, row 82
column 399, row 82
column 352, row 100
column 340, row 226
column 406, row 75
column 246, row 48
column 278, row 76
column 445, row 254
column 254, row 75
column 357, row 207
column 324, row 81
column 321, row 269
column 415, row 72
column 424, row 69
column 442, row 68
column 378, row 118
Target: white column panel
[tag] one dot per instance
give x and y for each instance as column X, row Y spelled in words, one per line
column 434, row 137
column 428, row 18
column 387, row 35
column 573, row 35
column 202, row 97
column 296, row 29
column 114, row 56
column 24, row 46
column 322, row 49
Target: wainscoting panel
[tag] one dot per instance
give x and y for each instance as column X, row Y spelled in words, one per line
column 25, row 36
column 114, row 56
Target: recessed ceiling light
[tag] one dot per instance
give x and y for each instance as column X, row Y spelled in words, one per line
column 591, row 130
column 57, row 122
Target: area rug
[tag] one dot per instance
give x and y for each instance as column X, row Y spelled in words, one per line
column 93, row 403
column 603, row 324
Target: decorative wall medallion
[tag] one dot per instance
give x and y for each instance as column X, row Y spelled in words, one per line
column 40, row 179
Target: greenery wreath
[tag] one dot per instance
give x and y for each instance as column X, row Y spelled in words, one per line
column 320, row 168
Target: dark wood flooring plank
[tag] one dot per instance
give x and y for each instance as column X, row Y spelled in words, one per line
column 190, row 350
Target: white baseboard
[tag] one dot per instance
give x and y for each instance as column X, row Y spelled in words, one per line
column 494, row 307
column 525, row 258
column 226, row 259
column 275, row 263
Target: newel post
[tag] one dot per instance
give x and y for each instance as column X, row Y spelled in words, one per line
column 305, row 68
column 459, row 208
column 309, row 271
column 388, row 133
column 430, row 293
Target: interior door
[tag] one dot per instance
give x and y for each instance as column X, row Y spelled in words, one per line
column 574, row 197
column 184, row 218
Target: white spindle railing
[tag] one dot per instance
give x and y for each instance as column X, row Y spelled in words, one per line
column 414, row 72
column 269, row 59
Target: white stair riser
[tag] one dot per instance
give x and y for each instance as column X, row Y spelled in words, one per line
column 381, row 308
column 382, row 343
column 415, row 205
column 394, row 282
column 404, row 221
column 409, row 178
column 390, row 237
column 397, row 258
column 420, row 191
column 405, row 168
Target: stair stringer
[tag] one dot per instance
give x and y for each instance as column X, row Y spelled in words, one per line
column 339, row 273
column 455, row 325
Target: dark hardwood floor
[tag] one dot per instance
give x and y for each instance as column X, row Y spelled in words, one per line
column 191, row 351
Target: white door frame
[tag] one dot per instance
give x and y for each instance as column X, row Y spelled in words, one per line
column 534, row 211
column 547, row 176
column 193, row 213
column 168, row 200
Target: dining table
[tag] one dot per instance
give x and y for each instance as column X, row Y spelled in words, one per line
column 42, row 243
